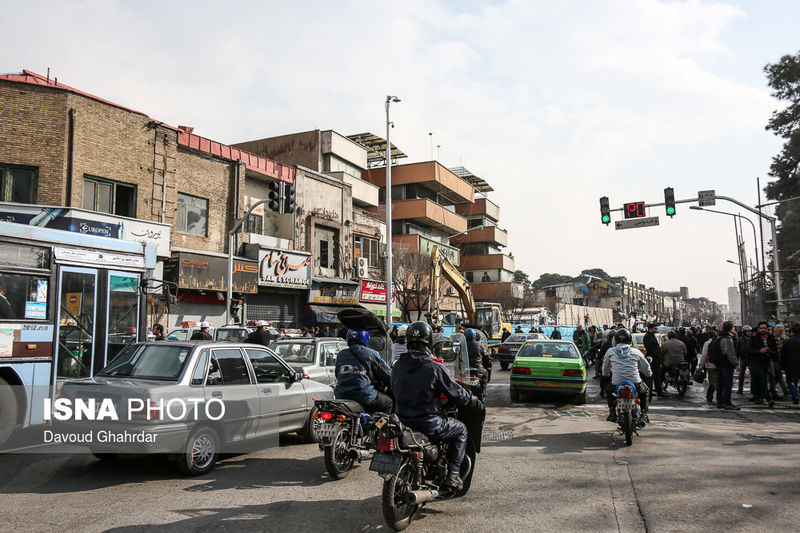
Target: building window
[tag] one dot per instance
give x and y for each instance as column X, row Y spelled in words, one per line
column 192, row 215
column 470, row 277
column 18, row 184
column 255, row 224
column 325, row 247
column 367, row 247
column 108, row 196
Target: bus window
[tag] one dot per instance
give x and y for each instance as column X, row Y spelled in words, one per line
column 23, row 297
column 123, row 312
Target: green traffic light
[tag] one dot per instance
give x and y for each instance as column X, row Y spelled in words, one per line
column 670, row 211
column 606, row 219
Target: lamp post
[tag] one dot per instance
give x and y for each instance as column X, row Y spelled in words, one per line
column 755, row 239
column 389, row 292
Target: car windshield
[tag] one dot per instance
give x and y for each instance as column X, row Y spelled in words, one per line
column 233, row 334
column 178, row 335
column 517, row 337
column 560, row 350
column 151, row 361
column 295, row 352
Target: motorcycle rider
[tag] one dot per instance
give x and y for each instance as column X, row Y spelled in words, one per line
column 360, row 372
column 674, row 351
column 653, row 350
column 477, row 355
column 418, row 382
column 625, row 363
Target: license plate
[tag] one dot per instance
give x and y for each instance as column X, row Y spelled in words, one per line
column 327, row 431
column 548, row 384
column 385, row 463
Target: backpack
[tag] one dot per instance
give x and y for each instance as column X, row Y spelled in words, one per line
column 715, row 355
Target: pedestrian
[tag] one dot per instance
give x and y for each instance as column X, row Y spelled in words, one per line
column 581, row 339
column 653, row 350
column 158, row 331
column 202, row 334
column 743, row 350
column 790, row 361
column 518, row 330
column 710, row 368
column 726, row 361
column 780, row 337
column 762, row 351
column 556, row 334
column 260, row 335
column 506, row 334
column 304, row 332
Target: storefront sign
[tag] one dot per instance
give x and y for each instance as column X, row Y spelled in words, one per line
column 284, row 268
column 210, row 273
column 452, row 254
column 98, row 258
column 373, row 291
column 90, row 223
column 334, row 293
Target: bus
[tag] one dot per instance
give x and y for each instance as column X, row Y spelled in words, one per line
column 69, row 302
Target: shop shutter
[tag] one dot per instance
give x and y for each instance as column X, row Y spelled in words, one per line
column 277, row 308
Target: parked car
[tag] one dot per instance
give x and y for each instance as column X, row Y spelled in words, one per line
column 222, row 333
column 507, row 350
column 315, row 357
column 549, row 366
column 262, row 396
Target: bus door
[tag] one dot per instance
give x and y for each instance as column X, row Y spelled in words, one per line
column 76, row 314
column 122, row 314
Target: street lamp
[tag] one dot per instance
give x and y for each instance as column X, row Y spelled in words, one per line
column 389, row 124
column 478, row 227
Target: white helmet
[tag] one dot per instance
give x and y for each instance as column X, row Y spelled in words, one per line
column 262, row 323
column 204, row 324
column 401, row 331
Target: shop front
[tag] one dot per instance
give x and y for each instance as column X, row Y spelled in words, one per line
column 284, row 279
column 202, row 285
column 372, row 295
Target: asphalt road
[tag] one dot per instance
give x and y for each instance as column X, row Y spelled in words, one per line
column 545, row 466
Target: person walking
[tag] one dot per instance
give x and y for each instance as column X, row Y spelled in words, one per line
column 726, row 362
column 653, row 351
column 777, row 370
column 710, row 368
column 581, row 339
column 790, row 361
column 556, row 334
column 762, row 351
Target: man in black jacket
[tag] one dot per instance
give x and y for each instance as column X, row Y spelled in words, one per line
column 260, row 335
column 202, row 334
column 727, row 362
column 691, row 348
column 790, row 361
column 762, row 350
column 418, row 383
column 743, row 351
column 653, row 349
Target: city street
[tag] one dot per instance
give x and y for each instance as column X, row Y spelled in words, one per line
column 544, row 466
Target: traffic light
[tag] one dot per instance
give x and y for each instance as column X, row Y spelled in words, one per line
column 288, row 198
column 605, row 211
column 276, row 196
column 669, row 201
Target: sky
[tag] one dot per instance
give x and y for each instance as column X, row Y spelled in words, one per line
column 555, row 104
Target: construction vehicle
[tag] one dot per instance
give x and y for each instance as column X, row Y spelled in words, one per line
column 487, row 317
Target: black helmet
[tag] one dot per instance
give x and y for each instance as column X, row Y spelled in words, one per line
column 419, row 336
column 622, row 337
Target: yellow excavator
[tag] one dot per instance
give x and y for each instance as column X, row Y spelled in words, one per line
column 486, row 317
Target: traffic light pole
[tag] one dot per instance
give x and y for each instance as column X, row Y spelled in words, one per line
column 237, row 225
column 776, row 265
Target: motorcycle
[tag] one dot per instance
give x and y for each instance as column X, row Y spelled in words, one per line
column 679, row 378
column 630, row 416
column 414, row 468
column 341, row 435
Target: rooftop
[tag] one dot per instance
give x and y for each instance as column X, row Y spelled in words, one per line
column 477, row 182
column 376, row 148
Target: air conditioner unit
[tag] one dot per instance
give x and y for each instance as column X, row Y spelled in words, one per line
column 363, row 267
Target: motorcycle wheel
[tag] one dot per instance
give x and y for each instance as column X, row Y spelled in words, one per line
column 338, row 460
column 681, row 389
column 467, row 469
column 627, row 427
column 397, row 513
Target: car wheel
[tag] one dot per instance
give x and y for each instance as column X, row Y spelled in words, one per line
column 503, row 365
column 580, row 398
column 201, row 452
column 309, row 432
column 515, row 396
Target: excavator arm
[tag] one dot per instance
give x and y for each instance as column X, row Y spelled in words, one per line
column 443, row 267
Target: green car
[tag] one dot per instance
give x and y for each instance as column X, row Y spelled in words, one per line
column 549, row 366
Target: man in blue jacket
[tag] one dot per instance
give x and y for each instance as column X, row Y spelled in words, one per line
column 360, row 371
column 418, row 383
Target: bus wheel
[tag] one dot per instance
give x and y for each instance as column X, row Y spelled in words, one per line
column 8, row 410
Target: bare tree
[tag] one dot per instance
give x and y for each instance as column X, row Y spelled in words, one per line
column 411, row 273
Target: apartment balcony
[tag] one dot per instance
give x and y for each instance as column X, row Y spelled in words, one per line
column 496, row 291
column 482, row 206
column 430, row 174
column 487, row 262
column 490, row 235
column 427, row 213
column 365, row 194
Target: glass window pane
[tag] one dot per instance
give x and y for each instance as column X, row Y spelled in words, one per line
column 123, row 312
column 200, row 370
column 19, row 255
column 268, row 369
column 23, row 297
column 23, row 186
column 232, row 367
column 192, row 215
column 76, row 325
column 103, row 197
column 88, row 195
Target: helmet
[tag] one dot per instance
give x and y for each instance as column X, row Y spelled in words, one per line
column 262, row 323
column 358, row 335
column 469, row 333
column 746, row 328
column 204, row 324
column 419, row 336
column 401, row 331
column 622, row 337
column 672, row 334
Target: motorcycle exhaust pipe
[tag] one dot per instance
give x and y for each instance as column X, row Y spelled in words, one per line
column 359, row 454
column 415, row 497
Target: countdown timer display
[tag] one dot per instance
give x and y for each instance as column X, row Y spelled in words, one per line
column 634, row 210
